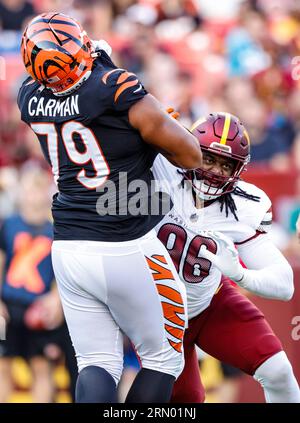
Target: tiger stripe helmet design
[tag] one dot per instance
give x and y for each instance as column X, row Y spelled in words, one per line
column 57, row 52
column 222, row 134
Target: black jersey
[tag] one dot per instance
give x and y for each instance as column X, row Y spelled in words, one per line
column 87, row 139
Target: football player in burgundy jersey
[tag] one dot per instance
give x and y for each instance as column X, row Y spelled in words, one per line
column 98, row 127
column 222, row 321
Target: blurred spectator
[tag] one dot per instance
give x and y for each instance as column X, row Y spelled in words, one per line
column 8, row 187
column 298, row 226
column 120, row 6
column 29, row 300
column 186, row 103
column 14, row 13
column 228, row 390
column 177, row 9
column 96, row 16
column 186, row 52
column 246, row 54
column 142, row 47
column 271, row 134
column 226, row 11
column 195, row 55
column 220, row 380
column 45, row 6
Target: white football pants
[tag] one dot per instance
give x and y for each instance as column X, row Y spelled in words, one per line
column 133, row 287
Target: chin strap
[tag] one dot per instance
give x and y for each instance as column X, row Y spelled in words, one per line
column 74, row 87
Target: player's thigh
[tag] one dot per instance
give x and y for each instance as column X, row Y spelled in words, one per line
column 235, row 331
column 148, row 302
column 96, row 337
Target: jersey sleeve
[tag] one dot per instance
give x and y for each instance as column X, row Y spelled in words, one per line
column 262, row 212
column 123, row 89
column 255, row 216
column 266, row 223
column 167, row 175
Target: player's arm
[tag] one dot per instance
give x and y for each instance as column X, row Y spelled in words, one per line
column 269, row 274
column 164, row 133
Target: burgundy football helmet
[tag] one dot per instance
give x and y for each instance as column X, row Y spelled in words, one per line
column 224, row 135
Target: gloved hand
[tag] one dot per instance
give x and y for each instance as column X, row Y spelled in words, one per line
column 226, row 259
column 101, row 45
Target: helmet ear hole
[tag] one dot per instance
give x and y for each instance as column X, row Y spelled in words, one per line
column 73, row 64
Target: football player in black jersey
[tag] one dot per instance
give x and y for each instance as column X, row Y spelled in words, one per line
column 96, row 122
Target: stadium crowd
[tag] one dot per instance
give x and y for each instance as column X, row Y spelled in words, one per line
column 241, row 56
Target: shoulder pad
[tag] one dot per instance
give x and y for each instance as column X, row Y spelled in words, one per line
column 125, row 88
column 256, row 214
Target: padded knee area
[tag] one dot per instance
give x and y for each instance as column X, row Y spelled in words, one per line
column 95, row 385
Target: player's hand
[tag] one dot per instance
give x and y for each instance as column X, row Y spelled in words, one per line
column 173, row 113
column 226, row 259
column 98, row 45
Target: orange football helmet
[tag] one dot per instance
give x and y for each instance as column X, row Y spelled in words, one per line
column 57, row 52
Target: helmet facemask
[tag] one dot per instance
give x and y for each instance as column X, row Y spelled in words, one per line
column 220, row 135
column 208, row 185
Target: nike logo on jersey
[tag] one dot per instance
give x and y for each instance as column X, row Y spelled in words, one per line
column 138, row 89
column 54, row 107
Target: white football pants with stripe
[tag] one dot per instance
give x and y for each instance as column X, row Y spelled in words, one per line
column 107, row 288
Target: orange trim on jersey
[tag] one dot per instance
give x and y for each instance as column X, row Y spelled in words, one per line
column 161, row 272
column 104, row 78
column 124, row 87
column 160, row 258
column 124, row 76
